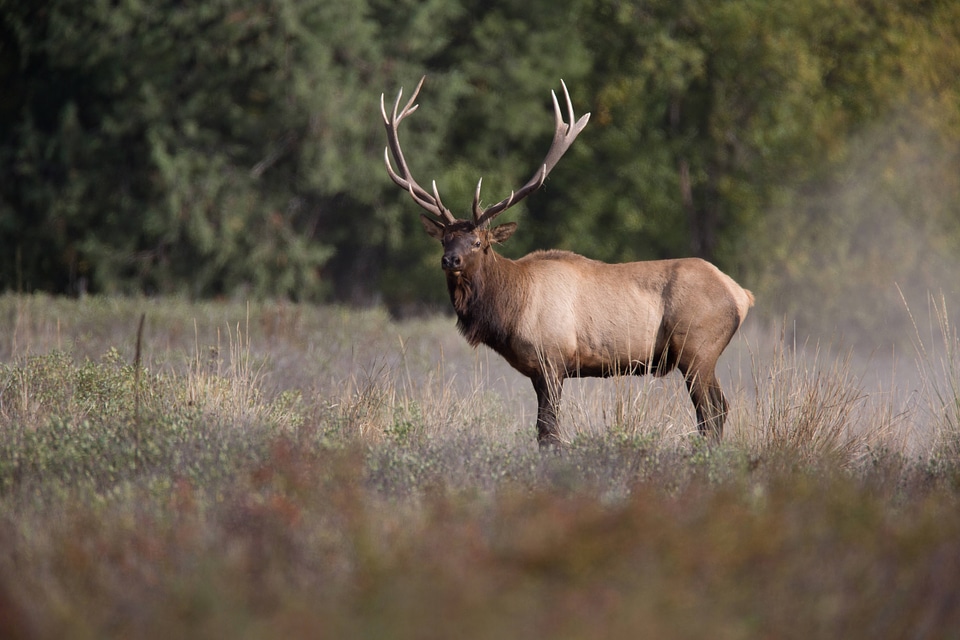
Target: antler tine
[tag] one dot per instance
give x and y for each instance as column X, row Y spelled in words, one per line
column 477, row 211
column 563, row 136
column 436, row 197
column 403, row 178
column 566, row 94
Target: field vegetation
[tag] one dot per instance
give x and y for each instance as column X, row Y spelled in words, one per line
column 265, row 469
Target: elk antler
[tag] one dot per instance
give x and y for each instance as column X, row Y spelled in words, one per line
column 430, row 202
column 563, row 137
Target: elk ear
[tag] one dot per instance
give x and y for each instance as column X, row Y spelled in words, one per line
column 433, row 228
column 501, row 232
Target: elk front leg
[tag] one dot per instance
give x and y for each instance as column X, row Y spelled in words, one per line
column 548, row 390
column 709, row 403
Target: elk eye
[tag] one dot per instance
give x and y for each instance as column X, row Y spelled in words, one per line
column 476, row 243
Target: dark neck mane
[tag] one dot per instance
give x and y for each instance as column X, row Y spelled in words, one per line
column 488, row 301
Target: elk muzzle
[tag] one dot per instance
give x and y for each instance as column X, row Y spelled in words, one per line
column 451, row 262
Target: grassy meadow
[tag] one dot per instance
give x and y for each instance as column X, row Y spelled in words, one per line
column 273, row 470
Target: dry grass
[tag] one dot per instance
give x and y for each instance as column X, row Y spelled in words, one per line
column 278, row 469
column 939, row 363
column 811, row 406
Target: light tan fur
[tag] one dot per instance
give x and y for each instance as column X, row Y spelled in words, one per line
column 581, row 315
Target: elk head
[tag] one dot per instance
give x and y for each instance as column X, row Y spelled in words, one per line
column 464, row 243
column 467, row 241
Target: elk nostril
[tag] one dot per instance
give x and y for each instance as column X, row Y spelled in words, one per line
column 451, row 262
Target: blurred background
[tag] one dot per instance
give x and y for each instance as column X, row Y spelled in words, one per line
column 234, row 148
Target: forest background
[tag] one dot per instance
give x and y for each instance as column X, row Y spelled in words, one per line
column 231, row 148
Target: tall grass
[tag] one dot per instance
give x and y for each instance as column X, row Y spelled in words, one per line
column 227, row 388
column 939, row 365
column 811, row 406
column 277, row 469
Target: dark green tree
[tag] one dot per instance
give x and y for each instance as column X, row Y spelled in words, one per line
column 168, row 146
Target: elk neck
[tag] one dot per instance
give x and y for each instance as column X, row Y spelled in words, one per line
column 488, row 299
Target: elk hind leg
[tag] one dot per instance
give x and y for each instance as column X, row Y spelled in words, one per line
column 709, row 403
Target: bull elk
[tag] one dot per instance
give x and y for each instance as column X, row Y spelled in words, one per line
column 555, row 314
